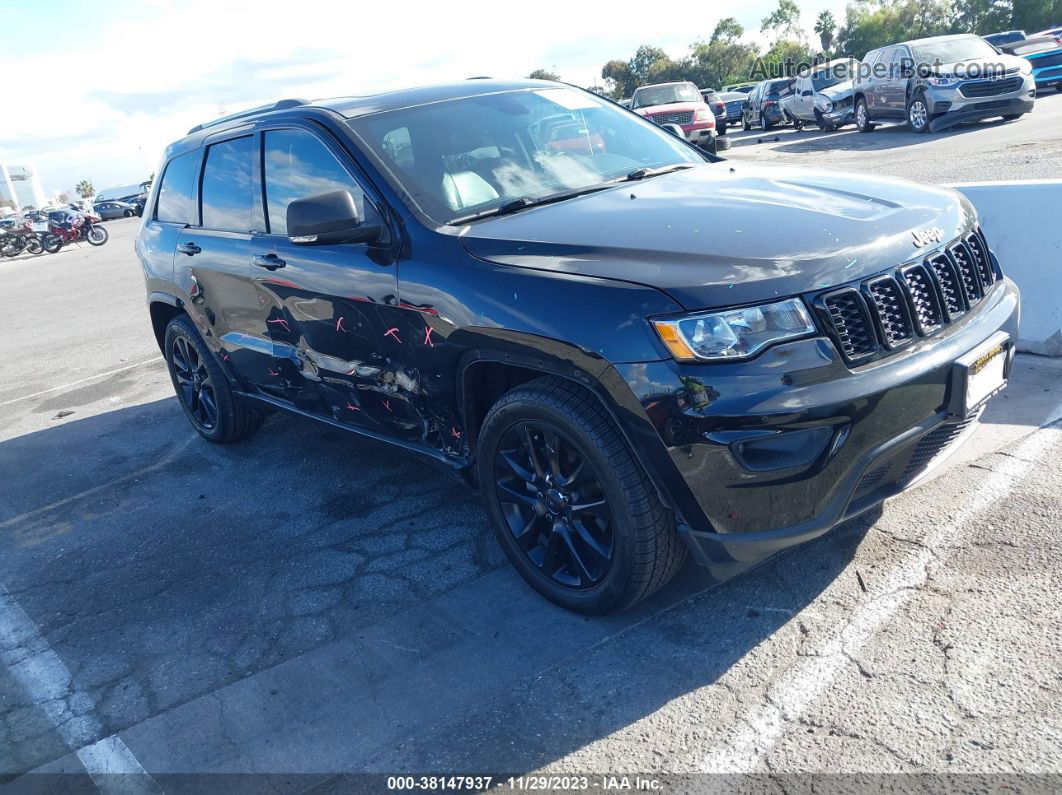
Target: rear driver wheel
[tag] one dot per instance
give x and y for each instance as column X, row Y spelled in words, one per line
column 218, row 413
column 571, row 506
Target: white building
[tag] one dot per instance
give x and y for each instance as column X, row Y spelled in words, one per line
column 22, row 185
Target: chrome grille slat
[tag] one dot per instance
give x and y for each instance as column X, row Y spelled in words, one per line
column 851, row 323
column 893, row 315
column 964, row 264
column 928, row 315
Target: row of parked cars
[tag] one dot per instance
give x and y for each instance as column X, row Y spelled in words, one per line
column 929, row 84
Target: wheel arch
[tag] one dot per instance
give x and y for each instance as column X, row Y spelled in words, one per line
column 484, row 376
column 162, row 308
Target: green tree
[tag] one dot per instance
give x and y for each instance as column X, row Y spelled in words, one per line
column 825, row 26
column 727, row 29
column 870, row 24
column 1035, row 15
column 544, row 74
column 618, row 78
column 84, row 188
column 784, row 21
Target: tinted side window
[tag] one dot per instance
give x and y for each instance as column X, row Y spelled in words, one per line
column 227, row 190
column 297, row 165
column 175, row 192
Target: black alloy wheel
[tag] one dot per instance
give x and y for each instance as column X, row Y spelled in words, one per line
column 194, row 386
column 554, row 504
column 571, row 506
column 216, row 411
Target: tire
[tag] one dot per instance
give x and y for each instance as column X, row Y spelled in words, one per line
column 764, row 124
column 603, row 512
column 1013, row 116
column 711, row 148
column 918, row 114
column 51, row 243
column 97, row 236
column 33, row 245
column 862, row 116
column 745, row 123
column 195, row 373
column 128, row 214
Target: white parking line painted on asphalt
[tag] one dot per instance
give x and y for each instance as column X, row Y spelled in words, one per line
column 72, row 384
column 49, row 685
column 801, row 685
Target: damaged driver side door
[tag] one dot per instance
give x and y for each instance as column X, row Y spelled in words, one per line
column 339, row 347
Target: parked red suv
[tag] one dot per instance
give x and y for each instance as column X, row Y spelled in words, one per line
column 681, row 104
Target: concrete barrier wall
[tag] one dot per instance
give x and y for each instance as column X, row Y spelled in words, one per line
column 1023, row 224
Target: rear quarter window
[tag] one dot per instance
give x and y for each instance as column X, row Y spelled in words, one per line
column 227, row 192
column 175, row 193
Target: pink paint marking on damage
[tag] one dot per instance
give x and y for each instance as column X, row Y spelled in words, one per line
column 352, row 408
column 427, row 336
column 393, row 332
column 282, row 322
column 272, row 372
column 339, row 324
column 455, row 433
column 387, row 405
column 225, row 357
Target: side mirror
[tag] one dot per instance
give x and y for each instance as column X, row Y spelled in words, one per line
column 329, row 218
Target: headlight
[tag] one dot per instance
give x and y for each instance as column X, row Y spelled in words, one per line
column 943, row 82
column 704, row 114
column 827, row 106
column 734, row 333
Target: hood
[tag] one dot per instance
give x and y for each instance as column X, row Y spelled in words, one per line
column 727, row 233
column 671, row 107
column 838, row 92
column 1007, row 61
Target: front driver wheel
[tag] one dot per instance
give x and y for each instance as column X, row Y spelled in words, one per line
column 918, row 114
column 218, row 413
column 571, row 506
column 97, row 236
column 862, row 116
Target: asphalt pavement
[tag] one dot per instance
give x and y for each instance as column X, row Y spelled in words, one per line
column 309, row 604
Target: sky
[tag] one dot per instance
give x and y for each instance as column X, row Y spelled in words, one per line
column 109, row 84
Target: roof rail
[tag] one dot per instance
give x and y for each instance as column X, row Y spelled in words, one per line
column 283, row 104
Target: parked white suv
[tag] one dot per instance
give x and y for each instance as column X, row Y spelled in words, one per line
column 824, row 94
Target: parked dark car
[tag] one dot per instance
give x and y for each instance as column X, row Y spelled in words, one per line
column 1044, row 54
column 715, row 102
column 1006, row 37
column 939, row 82
column 764, row 106
column 734, row 101
column 109, row 210
column 421, row 267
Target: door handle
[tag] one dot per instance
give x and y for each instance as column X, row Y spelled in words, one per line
column 270, row 262
column 191, row 249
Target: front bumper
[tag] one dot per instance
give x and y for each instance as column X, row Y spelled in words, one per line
column 699, row 132
column 949, row 106
column 885, row 422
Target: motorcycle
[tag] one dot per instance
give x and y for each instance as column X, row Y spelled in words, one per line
column 83, row 226
column 16, row 240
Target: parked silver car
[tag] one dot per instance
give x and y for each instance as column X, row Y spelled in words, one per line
column 824, row 94
column 941, row 81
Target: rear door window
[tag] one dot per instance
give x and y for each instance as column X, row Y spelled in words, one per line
column 297, row 165
column 227, row 189
column 175, row 193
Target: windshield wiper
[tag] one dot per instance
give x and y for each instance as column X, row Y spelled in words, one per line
column 524, row 202
column 642, row 173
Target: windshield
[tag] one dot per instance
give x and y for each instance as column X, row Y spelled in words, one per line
column 951, row 50
column 464, row 156
column 831, row 76
column 665, row 95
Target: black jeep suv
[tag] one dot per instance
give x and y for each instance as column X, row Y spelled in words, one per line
column 635, row 349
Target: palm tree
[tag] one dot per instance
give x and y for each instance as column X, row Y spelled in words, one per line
column 84, row 188
column 825, row 25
